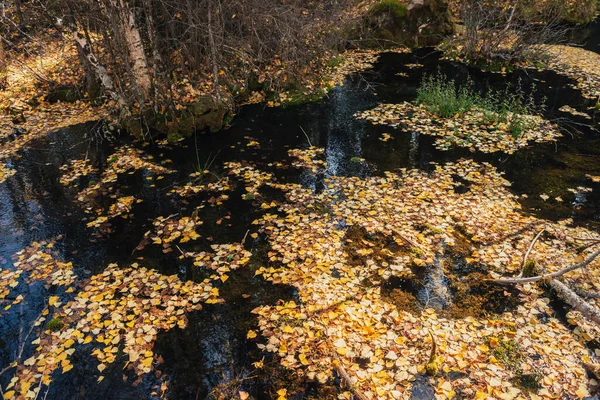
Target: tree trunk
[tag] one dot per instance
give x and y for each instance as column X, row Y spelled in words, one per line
column 135, row 47
column 213, row 53
column 92, row 62
column 91, row 78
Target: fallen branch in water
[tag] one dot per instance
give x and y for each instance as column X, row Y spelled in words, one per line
column 586, row 309
column 513, row 281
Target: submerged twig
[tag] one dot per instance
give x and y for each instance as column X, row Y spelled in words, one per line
column 307, row 138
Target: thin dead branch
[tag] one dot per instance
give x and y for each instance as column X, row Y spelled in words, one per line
column 535, row 239
column 513, row 281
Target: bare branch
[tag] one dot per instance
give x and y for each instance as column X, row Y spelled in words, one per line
column 513, row 281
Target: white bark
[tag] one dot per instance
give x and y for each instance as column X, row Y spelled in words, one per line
column 585, row 308
column 101, row 72
column 135, row 47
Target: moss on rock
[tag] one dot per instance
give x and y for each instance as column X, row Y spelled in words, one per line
column 415, row 23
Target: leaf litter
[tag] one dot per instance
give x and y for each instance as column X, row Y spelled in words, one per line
column 468, row 130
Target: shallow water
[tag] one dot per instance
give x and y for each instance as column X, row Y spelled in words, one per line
column 213, row 350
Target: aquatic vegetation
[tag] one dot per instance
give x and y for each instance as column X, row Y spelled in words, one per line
column 462, row 116
column 441, row 96
column 468, row 129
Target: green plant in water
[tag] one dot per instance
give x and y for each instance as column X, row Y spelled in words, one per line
column 55, row 324
column 248, row 196
column 510, row 354
column 202, row 167
column 440, row 95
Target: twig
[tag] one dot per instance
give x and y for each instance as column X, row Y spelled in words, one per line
column 406, row 240
column 529, row 251
column 307, row 138
column 512, row 281
column 245, row 236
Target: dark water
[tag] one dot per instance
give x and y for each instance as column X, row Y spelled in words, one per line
column 588, row 36
column 213, row 350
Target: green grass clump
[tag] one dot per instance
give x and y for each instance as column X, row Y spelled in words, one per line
column 443, row 97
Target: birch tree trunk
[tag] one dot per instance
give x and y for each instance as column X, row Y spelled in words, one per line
column 135, row 48
column 86, row 52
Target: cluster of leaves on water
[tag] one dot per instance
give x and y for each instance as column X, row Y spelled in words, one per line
column 193, row 188
column 170, row 230
column 308, row 158
column 468, row 129
column 116, row 313
column 579, row 64
column 35, row 263
column 252, row 177
column 462, row 116
column 125, row 159
column 5, row 172
column 122, row 208
column 74, row 170
column 341, row 324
